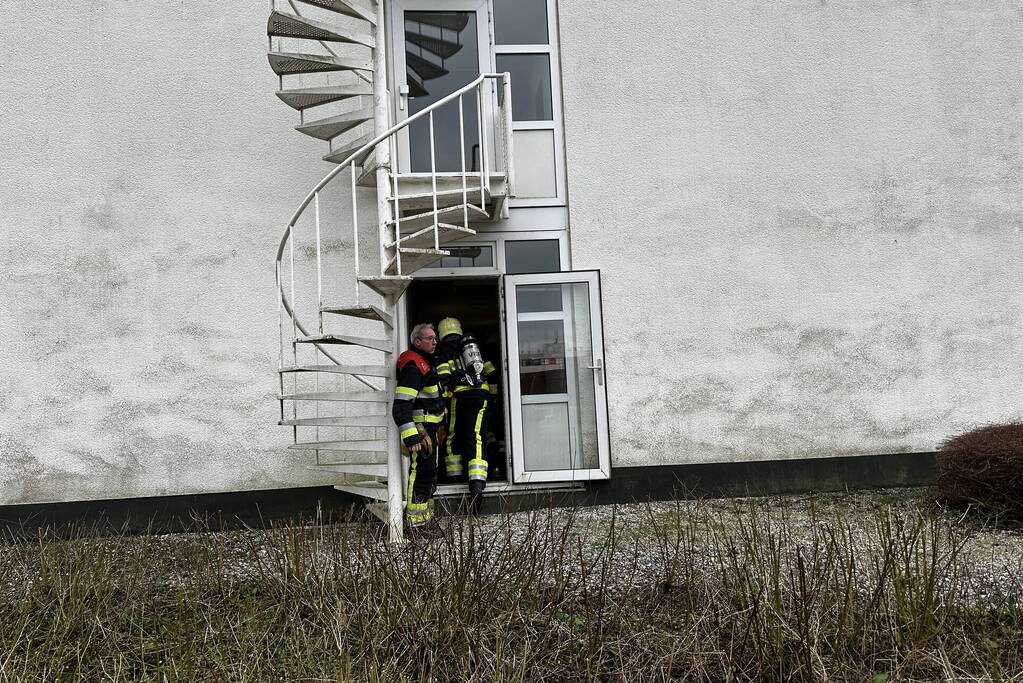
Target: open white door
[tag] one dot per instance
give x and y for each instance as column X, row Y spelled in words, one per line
column 556, row 384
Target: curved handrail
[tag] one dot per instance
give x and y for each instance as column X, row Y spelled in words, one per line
column 373, row 143
column 342, row 166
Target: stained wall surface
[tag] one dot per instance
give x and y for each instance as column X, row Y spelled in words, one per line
column 816, row 213
column 147, row 175
column 814, row 210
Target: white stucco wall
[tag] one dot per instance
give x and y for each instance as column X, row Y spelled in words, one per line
column 817, row 217
column 815, row 210
column 147, row 174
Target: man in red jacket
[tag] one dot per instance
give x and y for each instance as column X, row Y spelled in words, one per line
column 418, row 410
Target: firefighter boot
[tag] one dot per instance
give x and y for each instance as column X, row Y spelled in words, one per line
column 476, row 487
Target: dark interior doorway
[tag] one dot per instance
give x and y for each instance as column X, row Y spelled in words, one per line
column 475, row 302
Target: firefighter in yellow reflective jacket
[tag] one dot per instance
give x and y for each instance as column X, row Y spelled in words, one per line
column 418, row 410
column 471, row 384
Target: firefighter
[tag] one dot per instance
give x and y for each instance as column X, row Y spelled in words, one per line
column 471, row 385
column 418, row 410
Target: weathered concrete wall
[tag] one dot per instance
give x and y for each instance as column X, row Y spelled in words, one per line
column 818, row 212
column 148, row 172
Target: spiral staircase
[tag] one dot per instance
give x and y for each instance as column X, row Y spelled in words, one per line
column 348, row 252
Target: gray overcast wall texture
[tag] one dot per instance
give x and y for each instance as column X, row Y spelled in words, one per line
column 814, row 210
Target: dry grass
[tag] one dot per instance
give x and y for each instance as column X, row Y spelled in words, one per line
column 685, row 595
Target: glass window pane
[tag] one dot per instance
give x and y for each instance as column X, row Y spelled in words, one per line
column 534, row 150
column 538, row 298
column 441, row 55
column 545, row 431
column 558, row 392
column 532, row 256
column 531, row 86
column 542, row 357
column 520, row 22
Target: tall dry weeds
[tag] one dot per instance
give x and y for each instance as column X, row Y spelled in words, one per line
column 691, row 593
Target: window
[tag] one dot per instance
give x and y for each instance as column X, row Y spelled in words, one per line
column 520, row 22
column 531, row 256
column 531, row 86
column 526, row 47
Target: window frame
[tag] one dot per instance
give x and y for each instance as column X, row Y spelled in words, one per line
column 556, row 125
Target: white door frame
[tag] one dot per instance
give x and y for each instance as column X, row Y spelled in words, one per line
column 597, row 364
column 485, row 62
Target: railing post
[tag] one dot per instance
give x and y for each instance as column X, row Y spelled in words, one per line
column 381, row 121
column 319, row 268
column 433, row 174
column 481, row 136
column 509, row 156
column 355, row 236
column 461, row 152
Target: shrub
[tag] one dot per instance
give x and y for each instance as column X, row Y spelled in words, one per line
column 983, row 468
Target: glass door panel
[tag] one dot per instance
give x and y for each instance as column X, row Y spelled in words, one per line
column 556, row 377
column 442, row 52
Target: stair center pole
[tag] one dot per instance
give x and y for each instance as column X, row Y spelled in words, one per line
column 381, row 122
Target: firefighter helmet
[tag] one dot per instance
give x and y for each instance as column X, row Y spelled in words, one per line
column 449, row 326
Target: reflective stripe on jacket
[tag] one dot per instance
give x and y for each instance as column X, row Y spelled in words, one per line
column 416, row 397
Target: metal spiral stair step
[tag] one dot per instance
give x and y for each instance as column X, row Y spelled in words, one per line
column 425, row 238
column 371, row 370
column 364, row 312
column 380, row 420
column 285, row 25
column 388, row 285
column 369, row 469
column 378, row 344
column 348, row 8
column 414, row 258
column 328, row 128
column 352, row 396
column 422, row 220
column 339, row 154
column 361, row 445
column 285, row 63
column 374, row 490
column 303, row 98
column 423, row 201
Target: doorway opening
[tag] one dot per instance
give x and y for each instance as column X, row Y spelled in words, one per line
column 476, row 304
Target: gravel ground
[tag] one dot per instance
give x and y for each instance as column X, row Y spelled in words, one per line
column 990, row 559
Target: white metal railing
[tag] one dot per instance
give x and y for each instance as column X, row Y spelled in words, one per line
column 496, row 114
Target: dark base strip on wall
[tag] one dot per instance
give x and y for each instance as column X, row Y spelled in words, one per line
column 256, row 509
